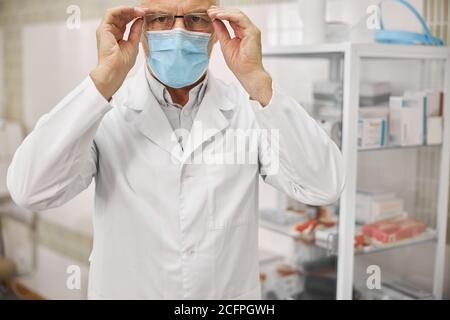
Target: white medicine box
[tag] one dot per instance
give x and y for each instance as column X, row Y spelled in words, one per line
column 407, row 121
column 372, row 133
column 375, row 206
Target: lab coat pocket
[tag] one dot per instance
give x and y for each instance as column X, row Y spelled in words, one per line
column 230, row 194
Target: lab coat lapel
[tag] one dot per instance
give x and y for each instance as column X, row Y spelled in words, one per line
column 152, row 122
column 210, row 119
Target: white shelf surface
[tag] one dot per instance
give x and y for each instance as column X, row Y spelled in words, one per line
column 364, row 50
column 427, row 236
column 289, row 231
column 285, row 229
column 422, row 146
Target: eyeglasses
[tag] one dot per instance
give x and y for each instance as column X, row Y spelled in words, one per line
column 199, row 22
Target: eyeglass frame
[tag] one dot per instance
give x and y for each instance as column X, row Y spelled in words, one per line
column 166, row 14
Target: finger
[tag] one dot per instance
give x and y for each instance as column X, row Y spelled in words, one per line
column 240, row 26
column 117, row 33
column 222, row 32
column 239, row 18
column 232, row 15
column 135, row 31
column 121, row 16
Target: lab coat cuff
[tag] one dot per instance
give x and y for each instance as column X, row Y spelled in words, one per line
column 97, row 99
column 278, row 99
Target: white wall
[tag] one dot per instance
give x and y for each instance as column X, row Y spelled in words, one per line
column 73, row 56
column 48, row 75
column 55, row 60
column 395, row 15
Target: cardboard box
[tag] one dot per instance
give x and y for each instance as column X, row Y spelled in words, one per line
column 434, row 130
column 374, row 207
column 407, row 121
column 395, row 229
column 372, row 133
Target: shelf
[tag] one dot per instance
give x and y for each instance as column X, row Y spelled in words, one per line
column 364, row 50
column 313, row 51
column 287, row 230
column 428, row 236
column 436, row 146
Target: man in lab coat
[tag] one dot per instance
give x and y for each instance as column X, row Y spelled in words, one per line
column 167, row 226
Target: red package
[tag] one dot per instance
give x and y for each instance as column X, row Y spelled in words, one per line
column 359, row 240
column 391, row 230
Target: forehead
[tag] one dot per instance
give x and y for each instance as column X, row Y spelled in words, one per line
column 177, row 5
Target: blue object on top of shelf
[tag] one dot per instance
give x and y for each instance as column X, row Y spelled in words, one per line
column 407, row 37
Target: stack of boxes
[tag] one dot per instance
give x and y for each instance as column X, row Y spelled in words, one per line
column 384, row 219
column 416, row 118
column 327, row 110
column 374, row 206
column 412, row 119
column 384, row 120
column 373, row 114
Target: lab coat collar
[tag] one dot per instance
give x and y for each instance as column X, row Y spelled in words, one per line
column 153, row 123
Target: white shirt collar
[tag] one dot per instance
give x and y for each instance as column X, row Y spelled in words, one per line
column 163, row 97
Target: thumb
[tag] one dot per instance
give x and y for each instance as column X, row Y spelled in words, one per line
column 222, row 32
column 135, row 32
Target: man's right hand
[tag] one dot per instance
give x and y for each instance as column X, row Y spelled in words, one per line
column 116, row 56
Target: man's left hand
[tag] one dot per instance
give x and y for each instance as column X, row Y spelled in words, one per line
column 243, row 53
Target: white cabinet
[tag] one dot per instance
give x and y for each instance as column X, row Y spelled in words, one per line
column 337, row 83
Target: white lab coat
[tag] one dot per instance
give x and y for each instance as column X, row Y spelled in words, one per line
column 165, row 228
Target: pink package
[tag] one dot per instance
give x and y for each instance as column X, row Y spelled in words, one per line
column 392, row 230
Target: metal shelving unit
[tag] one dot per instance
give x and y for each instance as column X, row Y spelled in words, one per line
column 345, row 61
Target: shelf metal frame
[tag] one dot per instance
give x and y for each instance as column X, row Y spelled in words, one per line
column 353, row 54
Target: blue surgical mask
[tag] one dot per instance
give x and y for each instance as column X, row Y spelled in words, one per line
column 178, row 58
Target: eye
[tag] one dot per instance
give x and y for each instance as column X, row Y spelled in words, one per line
column 196, row 18
column 161, row 19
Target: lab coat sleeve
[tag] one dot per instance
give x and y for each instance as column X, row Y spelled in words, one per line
column 296, row 156
column 59, row 157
